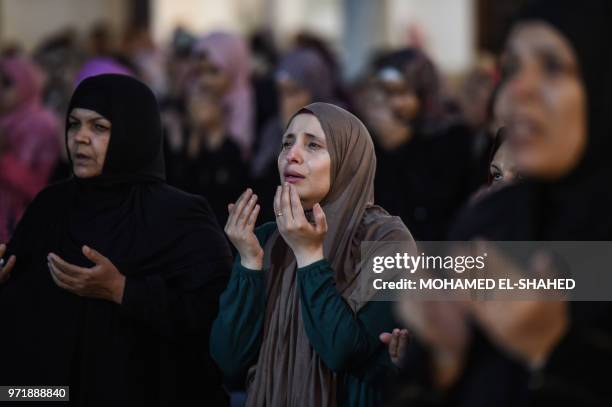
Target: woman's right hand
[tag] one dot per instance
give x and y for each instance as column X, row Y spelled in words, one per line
column 239, row 228
column 5, row 269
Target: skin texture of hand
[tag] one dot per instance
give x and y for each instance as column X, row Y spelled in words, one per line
column 396, row 342
column 102, row 281
column 304, row 239
column 239, row 229
column 5, row 269
column 530, row 328
column 527, row 329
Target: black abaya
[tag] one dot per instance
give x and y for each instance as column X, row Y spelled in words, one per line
column 152, row 349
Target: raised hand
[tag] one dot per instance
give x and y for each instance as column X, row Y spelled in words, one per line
column 396, row 342
column 239, row 229
column 103, row 280
column 6, row 268
column 304, row 238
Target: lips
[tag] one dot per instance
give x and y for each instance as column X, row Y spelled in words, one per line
column 293, row 176
column 81, row 158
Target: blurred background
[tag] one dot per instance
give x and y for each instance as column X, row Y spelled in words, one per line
column 228, row 75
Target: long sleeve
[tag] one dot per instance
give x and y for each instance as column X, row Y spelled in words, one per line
column 237, row 331
column 343, row 340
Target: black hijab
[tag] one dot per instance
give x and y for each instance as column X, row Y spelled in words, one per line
column 166, row 242
column 575, row 207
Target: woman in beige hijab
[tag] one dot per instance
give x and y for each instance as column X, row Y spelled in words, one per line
column 295, row 319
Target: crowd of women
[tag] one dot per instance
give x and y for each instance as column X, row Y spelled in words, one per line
column 184, row 224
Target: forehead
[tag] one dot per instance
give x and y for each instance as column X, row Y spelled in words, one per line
column 85, row 114
column 306, row 123
column 539, row 35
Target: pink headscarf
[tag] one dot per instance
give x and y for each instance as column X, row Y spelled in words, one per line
column 230, row 53
column 29, row 132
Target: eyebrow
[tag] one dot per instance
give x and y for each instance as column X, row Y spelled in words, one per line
column 87, row 119
column 496, row 167
column 309, row 135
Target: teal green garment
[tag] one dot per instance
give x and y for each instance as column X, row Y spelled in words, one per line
column 347, row 343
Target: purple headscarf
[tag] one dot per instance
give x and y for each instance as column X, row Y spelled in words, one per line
column 230, row 53
column 99, row 66
column 308, row 69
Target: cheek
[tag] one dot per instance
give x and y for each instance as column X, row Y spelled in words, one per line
column 101, row 147
column 321, row 174
column 567, row 120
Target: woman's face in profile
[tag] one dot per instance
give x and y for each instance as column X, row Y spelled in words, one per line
column 88, row 137
column 304, row 160
column 503, row 166
column 544, row 101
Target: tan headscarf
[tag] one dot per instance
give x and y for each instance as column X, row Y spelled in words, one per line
column 288, row 371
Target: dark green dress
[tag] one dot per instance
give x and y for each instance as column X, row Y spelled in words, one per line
column 348, row 344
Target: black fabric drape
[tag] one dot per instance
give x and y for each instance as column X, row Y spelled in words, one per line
column 152, row 350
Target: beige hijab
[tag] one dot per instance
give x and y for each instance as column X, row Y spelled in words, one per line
column 288, row 371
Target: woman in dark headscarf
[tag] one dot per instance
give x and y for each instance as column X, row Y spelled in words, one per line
column 117, row 275
column 424, row 170
column 296, row 318
column 556, row 87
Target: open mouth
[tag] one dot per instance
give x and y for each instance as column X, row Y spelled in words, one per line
column 293, row 177
column 81, row 158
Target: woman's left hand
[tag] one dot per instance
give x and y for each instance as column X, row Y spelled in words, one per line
column 304, row 238
column 103, row 280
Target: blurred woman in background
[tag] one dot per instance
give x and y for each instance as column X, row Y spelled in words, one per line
column 210, row 163
column 29, row 148
column 424, row 170
column 223, row 67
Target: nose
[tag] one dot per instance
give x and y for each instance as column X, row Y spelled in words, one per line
column 525, row 82
column 294, row 154
column 82, row 136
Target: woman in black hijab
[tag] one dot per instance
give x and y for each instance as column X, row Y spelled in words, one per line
column 424, row 172
column 117, row 274
column 557, row 81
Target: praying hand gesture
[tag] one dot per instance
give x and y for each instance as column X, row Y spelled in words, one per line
column 239, row 229
column 103, row 280
column 304, row 238
column 5, row 269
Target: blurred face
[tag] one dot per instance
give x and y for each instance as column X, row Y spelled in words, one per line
column 88, row 137
column 304, row 160
column 212, row 78
column 503, row 167
column 204, row 108
column 543, row 101
column 401, row 100
column 292, row 97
